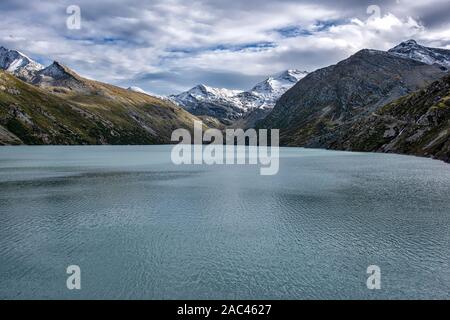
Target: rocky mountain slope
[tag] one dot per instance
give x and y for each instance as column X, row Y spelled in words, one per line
column 231, row 106
column 323, row 106
column 60, row 107
column 418, row 124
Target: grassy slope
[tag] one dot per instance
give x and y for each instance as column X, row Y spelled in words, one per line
column 101, row 114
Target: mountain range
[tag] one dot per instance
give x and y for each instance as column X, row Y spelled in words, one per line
column 229, row 106
column 382, row 101
column 54, row 105
column 321, row 104
column 322, row 109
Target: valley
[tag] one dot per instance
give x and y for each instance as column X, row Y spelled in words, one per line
column 377, row 101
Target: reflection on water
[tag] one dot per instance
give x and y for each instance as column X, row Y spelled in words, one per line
column 140, row 227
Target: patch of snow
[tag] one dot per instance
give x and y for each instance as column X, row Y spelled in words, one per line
column 203, row 93
column 269, row 91
column 412, row 50
column 140, row 90
column 137, row 89
column 17, row 63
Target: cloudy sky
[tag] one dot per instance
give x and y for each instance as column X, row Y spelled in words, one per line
column 167, row 46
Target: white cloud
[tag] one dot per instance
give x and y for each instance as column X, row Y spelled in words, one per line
column 169, row 45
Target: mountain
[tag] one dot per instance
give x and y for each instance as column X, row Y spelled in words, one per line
column 324, row 104
column 202, row 100
column 18, row 64
column 417, row 124
column 412, row 50
column 60, row 107
column 230, row 106
column 58, row 75
column 265, row 94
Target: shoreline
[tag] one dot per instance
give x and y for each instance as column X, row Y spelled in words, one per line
column 281, row 147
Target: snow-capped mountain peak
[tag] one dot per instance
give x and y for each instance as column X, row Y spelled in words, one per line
column 231, row 104
column 412, row 50
column 292, row 75
column 203, row 91
column 279, row 83
column 221, row 103
column 205, row 94
column 266, row 94
column 18, row 64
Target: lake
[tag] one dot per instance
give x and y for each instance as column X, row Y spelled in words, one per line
column 140, row 227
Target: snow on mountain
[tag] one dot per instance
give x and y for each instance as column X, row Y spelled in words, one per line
column 267, row 93
column 208, row 100
column 140, row 90
column 412, row 50
column 205, row 94
column 137, row 89
column 18, row 64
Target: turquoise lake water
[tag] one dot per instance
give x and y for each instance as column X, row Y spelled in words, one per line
column 140, row 227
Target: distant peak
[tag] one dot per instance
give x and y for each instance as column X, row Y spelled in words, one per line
column 18, row 63
column 410, row 42
column 412, row 50
column 366, row 52
column 295, row 71
column 2, row 48
column 57, row 71
column 15, row 52
column 291, row 73
column 202, row 87
column 58, row 65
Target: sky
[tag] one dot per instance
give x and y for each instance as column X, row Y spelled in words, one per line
column 168, row 46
